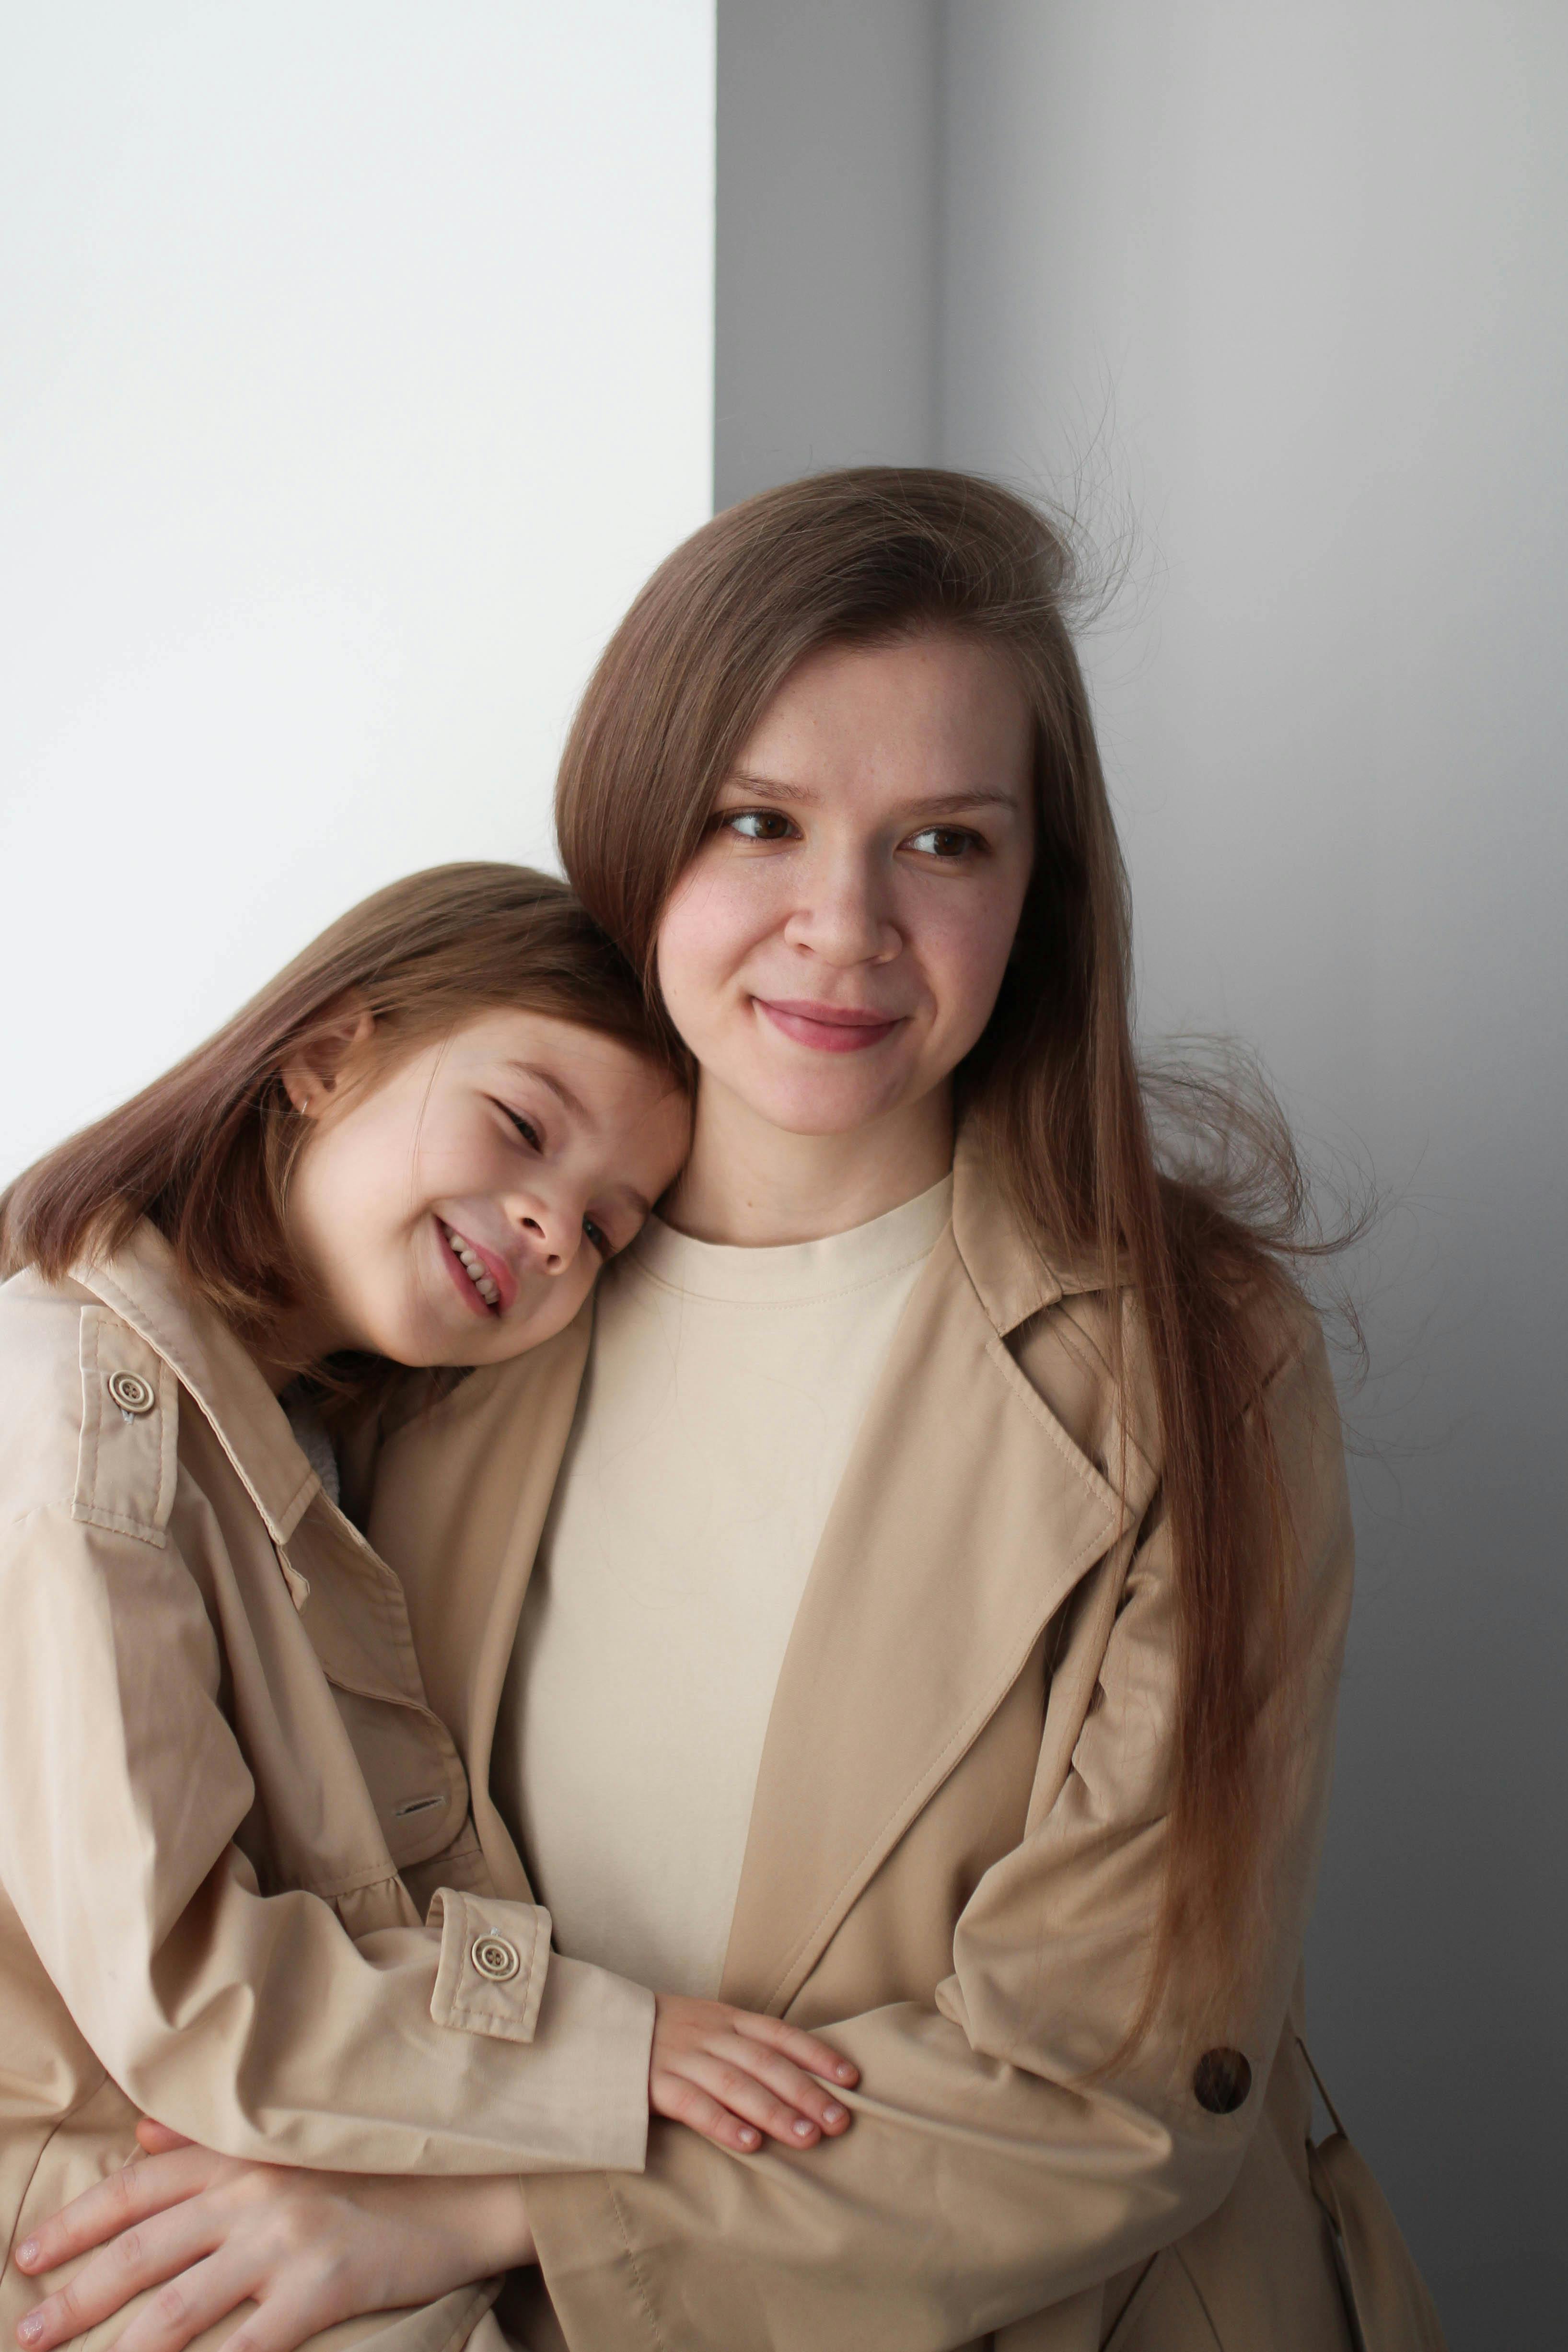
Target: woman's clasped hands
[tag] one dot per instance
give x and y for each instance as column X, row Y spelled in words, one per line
column 309, row 2249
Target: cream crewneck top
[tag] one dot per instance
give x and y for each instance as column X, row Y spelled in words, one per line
column 723, row 1394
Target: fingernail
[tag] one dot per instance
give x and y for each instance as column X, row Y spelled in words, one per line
column 749, row 2139
column 802, row 2128
column 31, row 2328
column 833, row 2114
column 27, row 2252
column 846, row 2072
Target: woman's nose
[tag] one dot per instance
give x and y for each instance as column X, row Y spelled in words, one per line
column 843, row 915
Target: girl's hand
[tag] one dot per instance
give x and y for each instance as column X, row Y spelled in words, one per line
column 307, row 2249
column 733, row 2075
column 310, row 2247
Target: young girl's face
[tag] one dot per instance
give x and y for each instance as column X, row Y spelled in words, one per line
column 456, row 1208
column 837, row 945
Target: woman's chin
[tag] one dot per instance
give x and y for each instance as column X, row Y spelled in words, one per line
column 831, row 1112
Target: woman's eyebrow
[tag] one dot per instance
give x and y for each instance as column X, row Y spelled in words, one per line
column 930, row 804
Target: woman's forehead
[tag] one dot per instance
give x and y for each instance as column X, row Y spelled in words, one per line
column 941, row 712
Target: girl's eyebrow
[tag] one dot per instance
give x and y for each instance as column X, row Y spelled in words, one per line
column 558, row 1087
column 933, row 805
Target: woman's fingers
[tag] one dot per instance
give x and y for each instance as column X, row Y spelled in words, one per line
column 197, row 2299
column 281, row 2323
column 158, row 2140
column 807, row 2050
column 103, row 2211
column 307, row 2249
column 144, row 2255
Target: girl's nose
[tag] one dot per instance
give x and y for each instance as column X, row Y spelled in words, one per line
column 550, row 1236
column 843, row 915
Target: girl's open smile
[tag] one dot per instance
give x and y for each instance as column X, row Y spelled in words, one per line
column 484, row 1284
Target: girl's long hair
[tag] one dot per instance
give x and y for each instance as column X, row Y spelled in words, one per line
column 204, row 1151
column 1072, row 1128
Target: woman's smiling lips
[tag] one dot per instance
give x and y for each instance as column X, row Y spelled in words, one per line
column 830, row 1028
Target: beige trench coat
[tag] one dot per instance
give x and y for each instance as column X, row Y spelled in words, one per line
column 953, row 1866
column 229, row 1807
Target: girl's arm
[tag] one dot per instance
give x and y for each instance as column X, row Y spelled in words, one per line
column 256, row 2025
column 312, row 2248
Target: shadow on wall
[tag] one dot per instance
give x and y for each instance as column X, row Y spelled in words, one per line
column 1310, row 265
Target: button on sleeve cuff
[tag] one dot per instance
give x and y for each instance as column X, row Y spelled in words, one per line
column 495, row 1957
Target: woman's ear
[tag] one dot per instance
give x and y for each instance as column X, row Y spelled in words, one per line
column 312, row 1072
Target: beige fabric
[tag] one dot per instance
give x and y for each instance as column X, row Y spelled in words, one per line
column 229, row 1805
column 953, row 1862
column 722, row 1398
column 1394, row 2312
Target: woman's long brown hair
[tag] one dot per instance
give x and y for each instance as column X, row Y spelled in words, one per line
column 204, row 1151
column 1053, row 1089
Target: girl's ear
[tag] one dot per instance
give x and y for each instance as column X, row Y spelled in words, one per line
column 310, row 1074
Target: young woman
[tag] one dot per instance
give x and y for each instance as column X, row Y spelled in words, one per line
column 918, row 1610
column 229, row 1804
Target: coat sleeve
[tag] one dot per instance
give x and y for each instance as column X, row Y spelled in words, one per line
column 1004, row 2152
column 256, row 2023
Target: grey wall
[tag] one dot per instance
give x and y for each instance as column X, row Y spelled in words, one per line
column 1288, row 285
column 825, row 298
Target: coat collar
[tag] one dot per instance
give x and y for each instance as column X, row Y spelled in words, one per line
column 965, row 1518
column 460, row 1494
column 140, row 1283
column 1013, row 1274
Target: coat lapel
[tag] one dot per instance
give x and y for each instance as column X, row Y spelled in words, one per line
column 964, row 1517
column 460, row 1502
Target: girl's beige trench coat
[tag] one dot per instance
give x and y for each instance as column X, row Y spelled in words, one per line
column 252, row 1881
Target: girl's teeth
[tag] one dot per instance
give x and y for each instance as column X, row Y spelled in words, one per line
column 474, row 1268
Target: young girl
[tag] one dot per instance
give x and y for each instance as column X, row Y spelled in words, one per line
column 917, row 1609
column 248, row 1884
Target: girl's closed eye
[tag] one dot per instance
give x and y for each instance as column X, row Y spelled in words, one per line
column 531, row 1133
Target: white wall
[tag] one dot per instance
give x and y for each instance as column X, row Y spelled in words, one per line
column 1288, row 286
column 827, row 218
column 1303, row 273
column 357, row 369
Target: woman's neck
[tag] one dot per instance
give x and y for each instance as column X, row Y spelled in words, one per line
column 757, row 1186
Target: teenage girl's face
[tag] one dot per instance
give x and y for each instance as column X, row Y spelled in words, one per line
column 837, row 945
column 456, row 1208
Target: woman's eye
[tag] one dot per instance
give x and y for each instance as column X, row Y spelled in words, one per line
column 525, row 1129
column 947, row 842
column 757, row 825
column 599, row 1237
